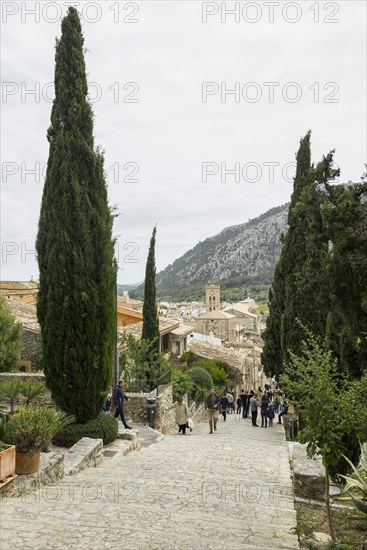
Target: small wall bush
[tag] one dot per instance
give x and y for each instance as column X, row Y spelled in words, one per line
column 103, row 427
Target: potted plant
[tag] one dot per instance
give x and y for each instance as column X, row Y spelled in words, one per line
column 30, row 429
column 7, row 462
column 7, row 456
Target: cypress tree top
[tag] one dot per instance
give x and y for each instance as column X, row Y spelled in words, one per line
column 150, row 314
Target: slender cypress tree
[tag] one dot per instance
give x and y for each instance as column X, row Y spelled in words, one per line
column 150, row 313
column 76, row 301
column 293, row 253
column 305, row 256
column 272, row 353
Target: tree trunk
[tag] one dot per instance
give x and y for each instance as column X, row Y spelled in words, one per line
column 327, row 502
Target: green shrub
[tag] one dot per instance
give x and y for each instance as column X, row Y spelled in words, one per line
column 188, row 357
column 31, row 428
column 181, row 383
column 103, row 427
column 201, row 378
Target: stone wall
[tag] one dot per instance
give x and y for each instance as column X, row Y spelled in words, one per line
column 136, row 407
column 27, row 376
column 166, row 417
column 31, row 348
column 165, row 420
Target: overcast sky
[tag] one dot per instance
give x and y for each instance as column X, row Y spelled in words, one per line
column 161, row 74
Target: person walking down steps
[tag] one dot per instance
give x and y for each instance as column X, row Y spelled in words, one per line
column 119, row 396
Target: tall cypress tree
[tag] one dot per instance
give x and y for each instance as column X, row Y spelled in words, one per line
column 150, row 313
column 306, row 253
column 345, row 219
column 76, row 301
column 293, row 253
column 271, row 357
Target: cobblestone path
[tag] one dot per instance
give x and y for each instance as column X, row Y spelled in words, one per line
column 230, row 490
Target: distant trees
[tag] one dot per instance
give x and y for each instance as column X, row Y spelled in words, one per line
column 76, row 301
column 10, row 338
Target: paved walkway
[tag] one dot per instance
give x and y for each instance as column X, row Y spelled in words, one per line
column 228, row 491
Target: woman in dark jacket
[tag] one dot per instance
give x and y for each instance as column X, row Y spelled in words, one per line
column 224, row 406
column 264, row 411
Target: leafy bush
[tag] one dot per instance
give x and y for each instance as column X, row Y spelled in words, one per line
column 201, row 378
column 31, row 428
column 181, row 383
column 32, row 390
column 103, row 427
column 11, row 338
column 188, row 357
column 358, row 481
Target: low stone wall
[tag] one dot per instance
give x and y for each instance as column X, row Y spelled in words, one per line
column 85, row 453
column 165, row 420
column 33, row 376
column 31, row 347
column 166, row 416
column 136, row 407
column 308, row 473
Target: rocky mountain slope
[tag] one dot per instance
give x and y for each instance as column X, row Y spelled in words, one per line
column 237, row 255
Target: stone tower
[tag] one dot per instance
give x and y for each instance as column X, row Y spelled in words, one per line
column 212, row 297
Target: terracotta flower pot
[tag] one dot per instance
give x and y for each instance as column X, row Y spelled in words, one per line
column 27, row 463
column 7, row 462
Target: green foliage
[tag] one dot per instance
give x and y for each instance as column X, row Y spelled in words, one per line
column 10, row 338
column 31, row 428
column 31, row 391
column 103, row 427
column 201, row 378
column 215, row 368
column 271, row 357
column 188, row 357
column 140, row 361
column 76, row 301
column 150, row 313
column 320, row 275
column 344, row 215
column 358, row 481
column 182, row 383
column 305, row 252
column 331, row 406
column 10, row 392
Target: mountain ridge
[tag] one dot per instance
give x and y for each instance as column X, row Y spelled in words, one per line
column 247, row 251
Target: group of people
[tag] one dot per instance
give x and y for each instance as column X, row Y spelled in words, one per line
column 227, row 404
column 247, row 403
